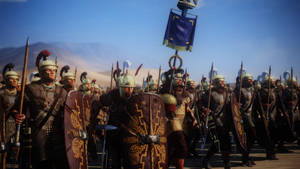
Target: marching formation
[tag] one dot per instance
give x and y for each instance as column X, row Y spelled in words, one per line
column 50, row 124
column 154, row 126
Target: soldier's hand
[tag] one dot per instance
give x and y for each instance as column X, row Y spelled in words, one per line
column 195, row 124
column 20, row 118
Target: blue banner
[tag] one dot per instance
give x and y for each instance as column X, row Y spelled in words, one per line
column 180, row 32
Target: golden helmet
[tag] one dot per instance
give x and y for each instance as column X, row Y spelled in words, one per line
column 65, row 74
column 45, row 63
column 9, row 73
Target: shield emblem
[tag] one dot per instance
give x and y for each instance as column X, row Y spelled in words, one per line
column 75, row 121
column 144, row 133
column 237, row 120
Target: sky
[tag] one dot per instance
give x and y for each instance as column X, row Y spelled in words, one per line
column 258, row 32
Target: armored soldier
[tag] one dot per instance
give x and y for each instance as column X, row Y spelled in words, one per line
column 178, row 124
column 85, row 86
column 264, row 113
column 194, row 131
column 8, row 95
column 44, row 106
column 116, row 100
column 246, row 95
column 67, row 78
column 290, row 101
column 219, row 120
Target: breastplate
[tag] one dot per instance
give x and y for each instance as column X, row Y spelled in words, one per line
column 246, row 98
column 217, row 101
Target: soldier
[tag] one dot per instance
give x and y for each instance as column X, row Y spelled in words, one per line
column 179, row 123
column 264, row 113
column 116, row 100
column 8, row 95
column 67, row 78
column 194, row 132
column 44, row 106
column 284, row 116
column 290, row 101
column 85, row 86
column 246, row 101
column 151, row 87
column 219, row 120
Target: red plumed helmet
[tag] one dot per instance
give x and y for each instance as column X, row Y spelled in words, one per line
column 44, row 54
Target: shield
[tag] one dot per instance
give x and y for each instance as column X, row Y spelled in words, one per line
column 144, row 133
column 75, row 130
column 237, row 120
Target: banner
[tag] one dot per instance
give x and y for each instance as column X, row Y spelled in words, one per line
column 180, row 32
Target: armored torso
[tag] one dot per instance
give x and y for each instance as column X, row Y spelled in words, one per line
column 7, row 100
column 46, row 107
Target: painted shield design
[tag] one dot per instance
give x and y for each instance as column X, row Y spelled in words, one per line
column 75, row 130
column 237, row 120
column 144, row 133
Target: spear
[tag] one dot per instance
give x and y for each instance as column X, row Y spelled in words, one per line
column 292, row 76
column 111, row 76
column 18, row 127
column 158, row 80
column 148, row 81
column 209, row 93
column 269, row 88
column 240, row 89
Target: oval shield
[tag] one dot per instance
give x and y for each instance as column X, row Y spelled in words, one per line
column 75, row 130
column 144, row 133
column 237, row 120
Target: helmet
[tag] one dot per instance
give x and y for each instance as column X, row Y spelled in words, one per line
column 85, row 86
column 291, row 81
column 84, row 79
column 152, row 85
column 190, row 83
column 46, row 63
column 266, row 81
column 9, row 73
column 65, row 74
column 126, row 80
column 247, row 80
column 177, row 80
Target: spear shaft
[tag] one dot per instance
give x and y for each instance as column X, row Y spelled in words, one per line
column 22, row 90
column 158, row 80
column 240, row 88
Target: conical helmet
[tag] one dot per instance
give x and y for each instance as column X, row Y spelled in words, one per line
column 45, row 63
column 9, row 73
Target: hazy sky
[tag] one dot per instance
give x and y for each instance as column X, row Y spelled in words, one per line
column 258, row 32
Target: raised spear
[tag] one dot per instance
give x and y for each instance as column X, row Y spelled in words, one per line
column 111, row 76
column 209, row 93
column 292, row 76
column 158, row 80
column 240, row 89
column 269, row 92
column 24, row 77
